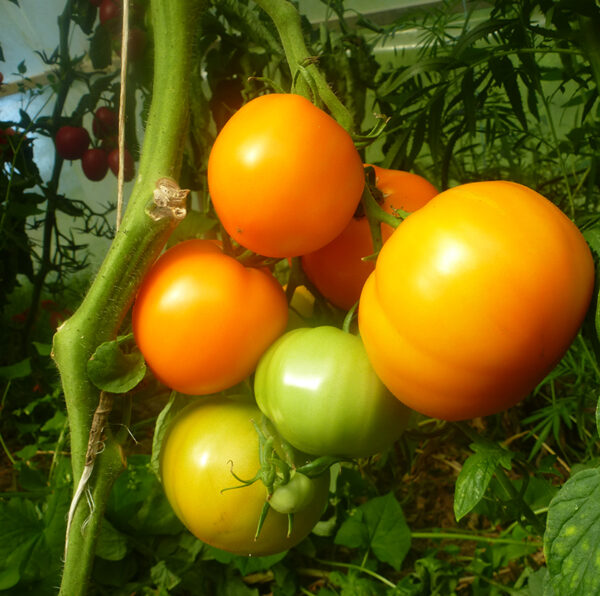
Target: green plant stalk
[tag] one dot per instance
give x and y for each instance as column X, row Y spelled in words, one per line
column 474, row 538
column 137, row 244
column 591, row 45
column 50, row 192
column 287, row 21
column 514, row 494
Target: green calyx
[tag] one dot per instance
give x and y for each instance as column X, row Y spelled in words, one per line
column 290, row 488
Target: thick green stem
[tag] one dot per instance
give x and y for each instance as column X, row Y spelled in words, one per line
column 287, row 20
column 591, row 45
column 137, row 244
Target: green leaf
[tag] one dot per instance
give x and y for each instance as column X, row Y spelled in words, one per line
column 42, row 349
column 163, row 577
column 69, row 206
column 84, row 14
column 505, row 75
column 112, row 545
column 592, row 237
column 175, row 404
column 424, row 66
column 476, row 474
column 379, row 525
column 27, row 452
column 56, row 423
column 32, row 537
column 100, row 49
column 138, row 504
column 245, row 565
column 19, row 370
column 111, row 370
column 9, row 577
column 572, row 538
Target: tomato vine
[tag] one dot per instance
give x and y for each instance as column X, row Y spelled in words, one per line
column 135, row 247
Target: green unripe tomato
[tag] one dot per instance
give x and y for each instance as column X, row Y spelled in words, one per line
column 294, row 496
column 318, row 388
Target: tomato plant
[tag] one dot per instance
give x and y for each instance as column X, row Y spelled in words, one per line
column 337, row 269
column 474, row 299
column 94, row 163
column 321, row 393
column 128, row 165
column 284, row 176
column 202, row 320
column 71, row 141
column 207, row 441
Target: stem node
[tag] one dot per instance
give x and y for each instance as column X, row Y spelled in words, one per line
column 168, row 201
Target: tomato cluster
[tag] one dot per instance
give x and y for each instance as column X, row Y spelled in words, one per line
column 73, row 143
column 110, row 16
column 468, row 305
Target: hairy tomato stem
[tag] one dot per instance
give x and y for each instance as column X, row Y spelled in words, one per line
column 287, row 21
column 135, row 247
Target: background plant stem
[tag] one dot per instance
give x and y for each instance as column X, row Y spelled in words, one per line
column 287, row 21
column 134, row 249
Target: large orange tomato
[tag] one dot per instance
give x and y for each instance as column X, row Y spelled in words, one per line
column 202, row 320
column 284, row 176
column 337, row 270
column 474, row 299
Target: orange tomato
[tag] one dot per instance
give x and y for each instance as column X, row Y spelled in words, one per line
column 202, row 320
column 284, row 176
column 338, row 270
column 474, row 299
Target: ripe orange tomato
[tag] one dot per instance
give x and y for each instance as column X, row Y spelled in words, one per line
column 474, row 299
column 337, row 270
column 206, row 442
column 202, row 320
column 284, row 176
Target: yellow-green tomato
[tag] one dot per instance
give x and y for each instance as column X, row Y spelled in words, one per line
column 208, row 440
column 318, row 388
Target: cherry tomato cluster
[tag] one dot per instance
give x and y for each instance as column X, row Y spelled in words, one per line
column 73, row 143
column 469, row 304
column 110, row 16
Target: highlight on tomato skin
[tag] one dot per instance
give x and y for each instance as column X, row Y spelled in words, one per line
column 338, row 270
column 318, row 388
column 474, row 299
column 202, row 320
column 284, row 177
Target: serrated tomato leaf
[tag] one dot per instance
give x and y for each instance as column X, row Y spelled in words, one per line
column 110, row 369
column 572, row 537
column 379, row 525
column 476, row 474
